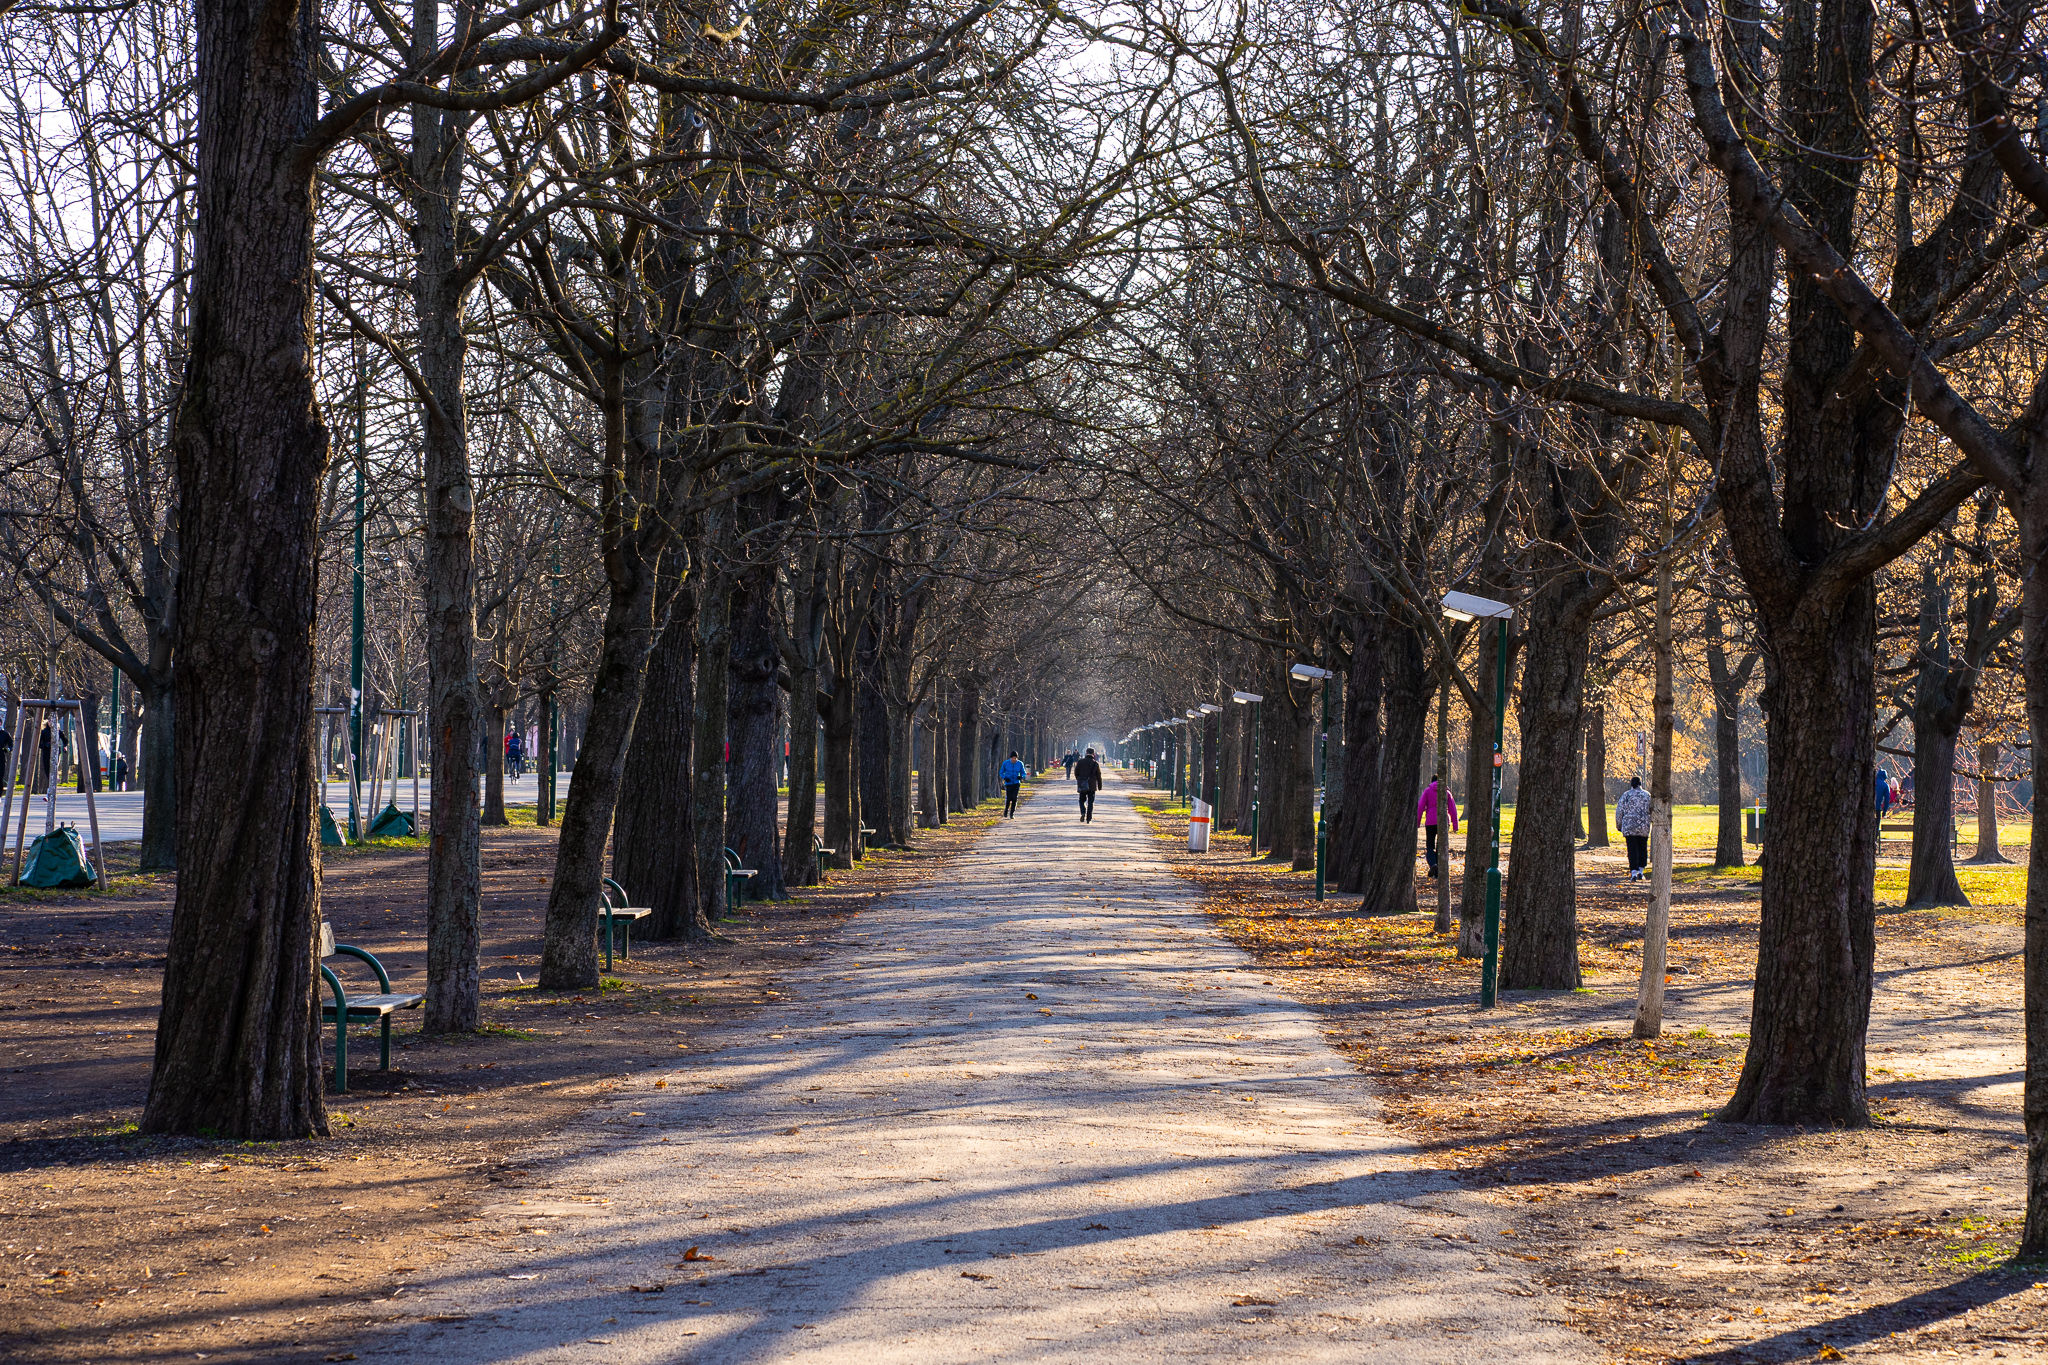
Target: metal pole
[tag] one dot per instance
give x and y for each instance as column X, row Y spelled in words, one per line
column 1489, row 971
column 1258, row 741
column 355, row 635
column 1323, row 789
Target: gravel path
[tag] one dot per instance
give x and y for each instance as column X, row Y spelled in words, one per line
column 1039, row 1111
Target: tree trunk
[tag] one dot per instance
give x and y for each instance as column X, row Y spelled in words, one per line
column 2034, row 668
column 971, row 793
column 569, row 936
column 800, row 838
column 494, row 766
column 159, row 776
column 1390, row 880
column 1540, row 922
column 654, row 837
column 1727, row 685
column 237, row 1041
column 841, row 798
column 713, row 733
column 1987, row 804
column 756, row 723
column 923, row 740
column 1811, row 1005
column 1478, row 802
column 1596, row 776
column 1931, row 877
column 448, row 580
column 1657, row 925
column 1292, row 721
column 1352, row 845
column 89, row 727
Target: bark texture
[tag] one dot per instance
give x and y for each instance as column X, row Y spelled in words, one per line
column 654, row 838
column 237, row 1042
column 1390, row 880
column 1539, row 913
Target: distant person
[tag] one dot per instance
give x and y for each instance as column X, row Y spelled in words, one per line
column 1087, row 782
column 120, row 771
column 1070, row 760
column 1011, row 775
column 515, row 754
column 1902, row 797
column 1427, row 815
column 43, row 747
column 1884, row 793
column 6, row 747
column 1632, row 818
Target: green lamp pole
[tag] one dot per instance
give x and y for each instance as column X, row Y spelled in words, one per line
column 1463, row 606
column 355, row 634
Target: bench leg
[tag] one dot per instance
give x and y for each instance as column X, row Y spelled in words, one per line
column 341, row 1052
column 384, row 1048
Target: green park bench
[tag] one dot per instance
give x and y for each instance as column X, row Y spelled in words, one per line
column 619, row 919
column 736, row 880
column 818, row 847
column 349, row 1009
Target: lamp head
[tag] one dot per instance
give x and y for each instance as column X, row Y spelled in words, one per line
column 1242, row 697
column 1308, row 673
column 1464, row 606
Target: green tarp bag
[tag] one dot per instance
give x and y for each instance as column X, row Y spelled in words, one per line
column 56, row 862
column 391, row 823
column 330, row 833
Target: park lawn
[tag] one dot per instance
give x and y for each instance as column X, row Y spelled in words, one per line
column 1691, row 826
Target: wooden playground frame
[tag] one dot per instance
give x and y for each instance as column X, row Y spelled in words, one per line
column 35, row 712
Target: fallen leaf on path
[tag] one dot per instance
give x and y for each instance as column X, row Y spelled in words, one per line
column 1253, row 1303
column 645, row 1288
column 695, row 1255
column 974, row 1275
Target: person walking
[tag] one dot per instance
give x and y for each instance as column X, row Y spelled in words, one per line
column 1429, row 817
column 1070, row 759
column 1011, row 775
column 1632, row 818
column 1087, row 781
column 1884, row 794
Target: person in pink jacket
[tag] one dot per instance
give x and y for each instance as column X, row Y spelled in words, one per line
column 1426, row 815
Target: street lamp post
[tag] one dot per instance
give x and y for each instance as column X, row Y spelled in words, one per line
column 1321, row 677
column 1253, row 699
column 1209, row 747
column 1463, row 606
column 1193, row 782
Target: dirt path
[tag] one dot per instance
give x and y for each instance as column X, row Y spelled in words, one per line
column 1039, row 1110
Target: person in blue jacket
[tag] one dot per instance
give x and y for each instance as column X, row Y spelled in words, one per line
column 1884, row 793
column 1011, row 775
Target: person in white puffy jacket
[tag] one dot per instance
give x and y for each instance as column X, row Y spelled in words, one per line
column 1632, row 818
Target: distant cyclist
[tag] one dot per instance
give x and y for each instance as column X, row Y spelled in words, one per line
column 1088, row 781
column 1012, row 777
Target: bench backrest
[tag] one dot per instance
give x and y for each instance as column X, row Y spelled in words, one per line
column 732, row 860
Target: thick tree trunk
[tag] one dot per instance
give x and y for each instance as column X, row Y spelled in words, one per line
column 842, row 800
column 654, row 838
column 1596, row 777
column 89, row 774
column 160, row 777
column 800, row 838
column 237, row 1041
column 1987, row 805
column 756, row 722
column 1352, row 831
column 921, row 746
column 494, row 767
column 569, row 948
column 1728, row 783
column 1931, row 877
column 1292, row 721
column 971, row 793
column 1811, row 1005
column 2034, row 668
column 713, row 733
column 1390, row 879
column 1540, row 921
column 1479, row 802
column 873, row 740
column 454, row 867
column 936, row 721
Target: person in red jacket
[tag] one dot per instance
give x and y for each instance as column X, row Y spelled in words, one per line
column 1428, row 816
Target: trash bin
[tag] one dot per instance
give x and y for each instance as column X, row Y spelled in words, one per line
column 1753, row 825
column 1198, row 827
